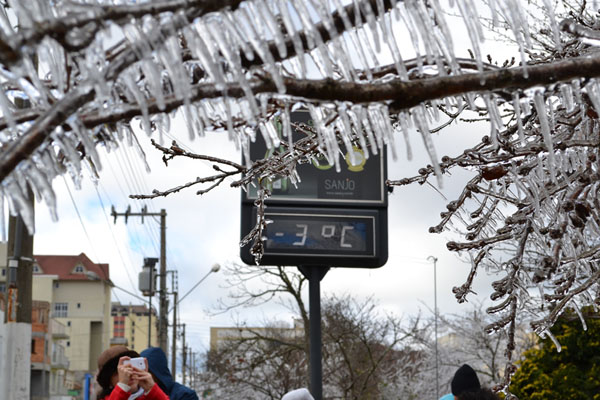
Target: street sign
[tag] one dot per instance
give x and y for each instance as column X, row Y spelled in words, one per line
column 337, row 219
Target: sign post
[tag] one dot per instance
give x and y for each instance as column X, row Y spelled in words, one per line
column 332, row 219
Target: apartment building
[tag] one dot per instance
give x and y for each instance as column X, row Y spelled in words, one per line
column 130, row 326
column 78, row 292
column 49, row 365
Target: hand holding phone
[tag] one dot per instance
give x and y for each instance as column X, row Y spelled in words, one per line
column 138, row 362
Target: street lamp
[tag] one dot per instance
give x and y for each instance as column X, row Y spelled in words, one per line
column 215, row 268
column 435, row 313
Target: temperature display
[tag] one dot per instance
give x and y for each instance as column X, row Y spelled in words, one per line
column 320, row 234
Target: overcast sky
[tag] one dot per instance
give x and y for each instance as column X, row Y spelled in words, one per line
column 202, row 231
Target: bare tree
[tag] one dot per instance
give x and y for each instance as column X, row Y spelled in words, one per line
column 463, row 340
column 366, row 354
column 75, row 76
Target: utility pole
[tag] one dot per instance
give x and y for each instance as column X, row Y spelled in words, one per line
column 15, row 371
column 183, row 354
column 174, row 290
column 435, row 314
column 191, row 368
column 162, row 317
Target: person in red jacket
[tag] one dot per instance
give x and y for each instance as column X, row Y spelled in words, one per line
column 121, row 381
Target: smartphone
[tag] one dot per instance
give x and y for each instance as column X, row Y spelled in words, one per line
column 137, row 362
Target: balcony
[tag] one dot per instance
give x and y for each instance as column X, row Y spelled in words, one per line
column 118, row 340
column 58, row 330
column 60, row 361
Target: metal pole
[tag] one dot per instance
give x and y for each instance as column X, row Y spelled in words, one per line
column 150, row 315
column 183, row 355
column 174, row 344
column 314, row 274
column 435, row 313
column 163, row 322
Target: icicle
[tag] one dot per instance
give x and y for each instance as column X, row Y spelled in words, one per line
column 372, row 23
column 540, row 106
column 346, row 131
column 7, row 111
column 353, row 38
column 129, row 80
column 363, row 40
column 2, row 218
column 234, row 61
column 412, row 32
column 420, row 121
column 20, row 202
column 154, row 81
column 469, row 14
column 140, row 151
column 517, row 107
column 364, row 119
column 33, row 75
column 322, row 60
column 567, row 95
column 84, row 137
column 42, row 181
column 404, row 120
column 199, row 50
column 359, row 130
column 293, row 33
column 287, row 128
column 272, row 24
column 231, row 25
column 580, row 315
column 495, row 118
column 388, row 35
column 229, row 116
column 5, row 24
column 553, row 23
column 338, row 45
column 551, row 336
column 260, row 46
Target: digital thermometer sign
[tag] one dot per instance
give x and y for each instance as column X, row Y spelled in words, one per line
column 340, row 237
column 335, row 217
column 326, row 234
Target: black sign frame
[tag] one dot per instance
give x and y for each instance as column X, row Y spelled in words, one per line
column 375, row 207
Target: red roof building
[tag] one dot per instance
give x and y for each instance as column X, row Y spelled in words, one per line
column 78, row 268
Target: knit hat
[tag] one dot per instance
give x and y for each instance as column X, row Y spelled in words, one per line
column 108, row 361
column 465, row 379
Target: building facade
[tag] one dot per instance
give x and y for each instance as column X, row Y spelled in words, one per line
column 49, row 365
column 78, row 293
column 130, row 326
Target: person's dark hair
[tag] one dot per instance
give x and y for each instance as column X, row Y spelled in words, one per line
column 479, row 394
column 465, row 379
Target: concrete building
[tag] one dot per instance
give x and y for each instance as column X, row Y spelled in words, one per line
column 219, row 336
column 78, row 292
column 49, row 365
column 130, row 326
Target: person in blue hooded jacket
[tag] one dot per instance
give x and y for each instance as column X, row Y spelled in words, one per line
column 158, row 367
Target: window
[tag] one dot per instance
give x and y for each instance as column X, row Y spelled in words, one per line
column 78, row 269
column 68, row 323
column 36, row 269
column 78, row 305
column 60, row 310
column 56, row 285
column 3, row 271
column 2, row 287
column 68, row 344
